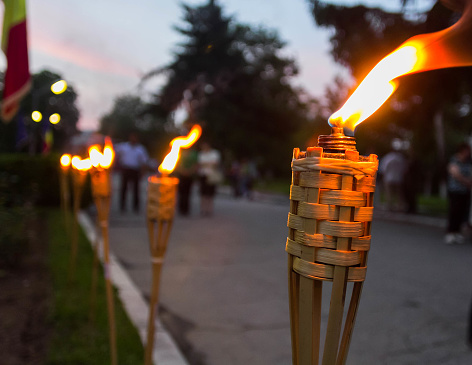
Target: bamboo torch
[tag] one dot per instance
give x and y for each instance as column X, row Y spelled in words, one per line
column 65, row 189
column 101, row 192
column 332, row 192
column 329, row 238
column 160, row 210
column 79, row 175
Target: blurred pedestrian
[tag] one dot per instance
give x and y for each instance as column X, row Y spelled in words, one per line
column 210, row 176
column 186, row 171
column 248, row 178
column 411, row 183
column 392, row 168
column 132, row 158
column 459, row 183
column 234, row 176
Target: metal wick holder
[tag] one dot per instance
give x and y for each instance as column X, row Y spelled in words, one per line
column 337, row 142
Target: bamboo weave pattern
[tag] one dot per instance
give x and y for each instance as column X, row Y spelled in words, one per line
column 161, row 198
column 325, row 174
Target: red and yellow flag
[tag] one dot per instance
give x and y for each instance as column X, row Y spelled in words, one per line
column 14, row 44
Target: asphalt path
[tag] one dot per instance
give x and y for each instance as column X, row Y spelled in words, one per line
column 224, row 287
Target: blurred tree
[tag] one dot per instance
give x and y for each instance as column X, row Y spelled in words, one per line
column 130, row 114
column 429, row 109
column 235, row 78
column 26, row 135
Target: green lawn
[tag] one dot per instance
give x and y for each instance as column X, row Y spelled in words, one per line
column 75, row 340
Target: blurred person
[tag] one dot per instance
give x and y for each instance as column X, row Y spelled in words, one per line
column 235, row 178
column 132, row 158
column 392, row 168
column 186, row 170
column 210, row 176
column 459, row 183
column 248, row 178
column 411, row 182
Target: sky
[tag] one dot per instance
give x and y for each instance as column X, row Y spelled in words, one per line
column 103, row 47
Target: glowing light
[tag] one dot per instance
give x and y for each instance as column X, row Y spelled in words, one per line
column 95, row 156
column 81, row 165
column 55, row 118
column 447, row 48
column 36, row 116
column 59, row 87
column 65, row 160
column 105, row 159
column 170, row 161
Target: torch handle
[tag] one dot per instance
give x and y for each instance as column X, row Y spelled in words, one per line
column 153, row 306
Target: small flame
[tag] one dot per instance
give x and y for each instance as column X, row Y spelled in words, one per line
column 99, row 159
column 443, row 49
column 170, row 161
column 65, row 160
column 81, row 165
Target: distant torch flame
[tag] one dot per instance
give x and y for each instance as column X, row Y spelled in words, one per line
column 65, row 160
column 170, row 161
column 99, row 159
column 81, row 165
column 447, row 48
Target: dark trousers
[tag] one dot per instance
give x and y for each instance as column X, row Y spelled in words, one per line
column 130, row 176
column 185, row 189
column 459, row 205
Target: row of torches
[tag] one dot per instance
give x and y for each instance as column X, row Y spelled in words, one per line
column 160, row 210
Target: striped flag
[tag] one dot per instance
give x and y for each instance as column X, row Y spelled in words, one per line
column 17, row 81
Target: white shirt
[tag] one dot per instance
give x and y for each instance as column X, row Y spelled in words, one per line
column 393, row 166
column 131, row 156
column 208, row 161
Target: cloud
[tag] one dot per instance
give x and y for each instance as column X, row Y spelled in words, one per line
column 81, row 56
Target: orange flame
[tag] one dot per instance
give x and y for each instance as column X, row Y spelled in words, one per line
column 99, row 159
column 170, row 161
column 447, row 48
column 65, row 160
column 81, row 165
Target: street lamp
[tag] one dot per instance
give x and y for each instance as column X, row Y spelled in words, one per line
column 59, row 87
column 36, row 116
column 55, row 118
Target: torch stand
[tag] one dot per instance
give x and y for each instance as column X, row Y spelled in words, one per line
column 65, row 197
column 160, row 215
column 101, row 192
column 78, row 181
column 331, row 209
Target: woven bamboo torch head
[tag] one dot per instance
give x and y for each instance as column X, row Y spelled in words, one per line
column 100, row 174
column 161, row 198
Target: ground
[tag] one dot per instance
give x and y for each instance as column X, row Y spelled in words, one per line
column 25, row 299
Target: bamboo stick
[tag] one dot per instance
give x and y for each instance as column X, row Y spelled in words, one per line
column 310, row 290
column 78, row 185
column 293, row 278
column 338, row 293
column 356, row 292
column 103, row 208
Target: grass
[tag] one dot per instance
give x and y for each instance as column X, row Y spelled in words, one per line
column 75, row 340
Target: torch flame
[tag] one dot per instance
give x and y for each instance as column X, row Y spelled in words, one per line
column 105, row 159
column 443, row 49
column 65, row 160
column 170, row 161
column 81, row 165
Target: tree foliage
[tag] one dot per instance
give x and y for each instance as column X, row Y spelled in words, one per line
column 43, row 100
column 235, row 79
column 130, row 114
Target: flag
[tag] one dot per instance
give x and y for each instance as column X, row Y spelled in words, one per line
column 14, row 44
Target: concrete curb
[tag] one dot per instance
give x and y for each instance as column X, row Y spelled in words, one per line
column 166, row 351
